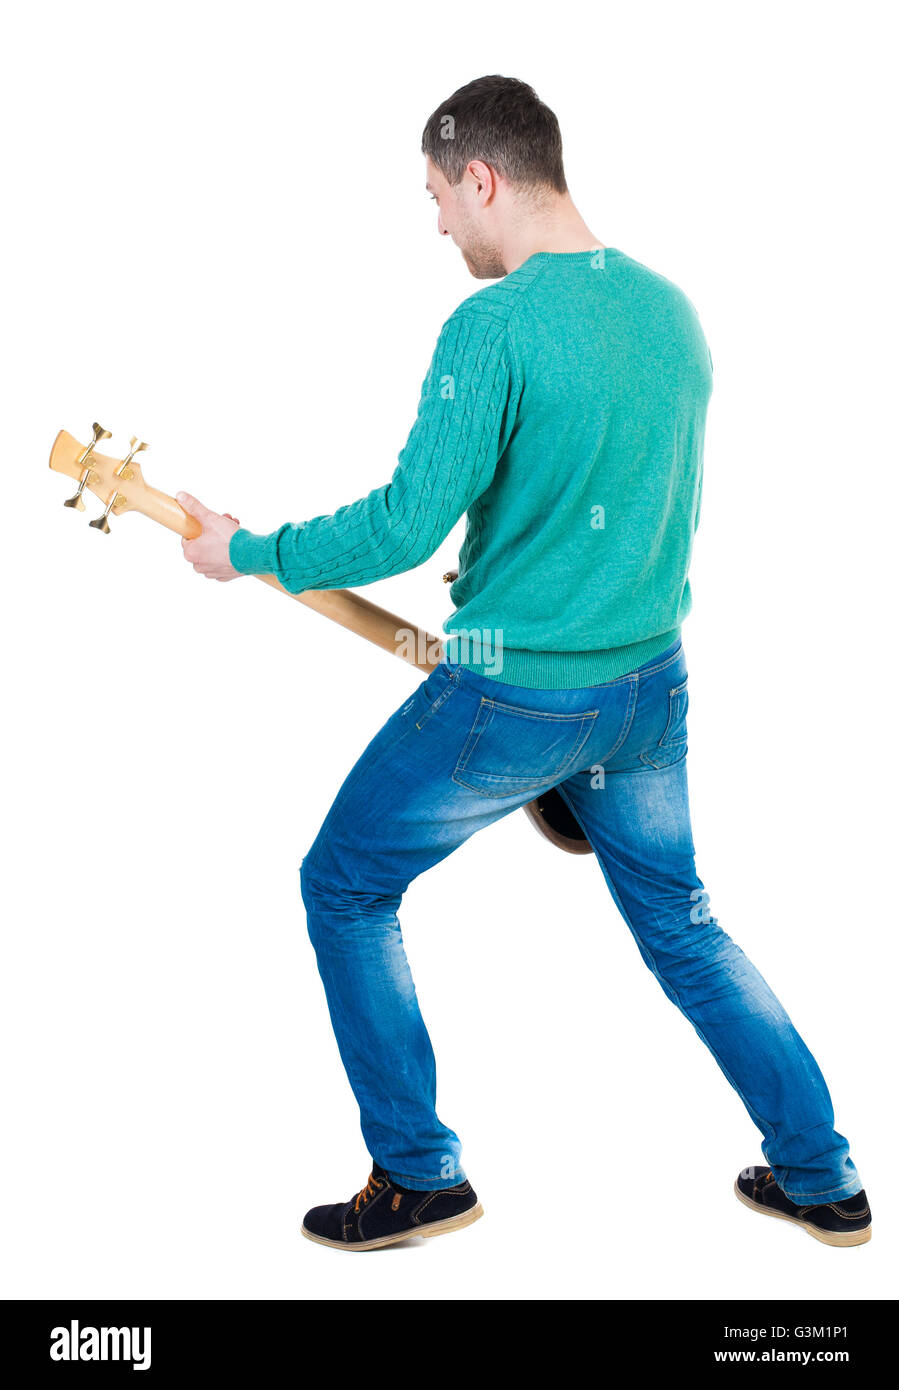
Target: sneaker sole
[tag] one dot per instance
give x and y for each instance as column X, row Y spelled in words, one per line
column 827, row 1237
column 434, row 1228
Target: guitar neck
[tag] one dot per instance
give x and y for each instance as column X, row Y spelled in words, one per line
column 410, row 643
column 343, row 606
column 120, row 486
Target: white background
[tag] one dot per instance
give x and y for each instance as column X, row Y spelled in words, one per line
column 217, row 236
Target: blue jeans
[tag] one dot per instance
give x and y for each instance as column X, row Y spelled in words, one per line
column 460, row 753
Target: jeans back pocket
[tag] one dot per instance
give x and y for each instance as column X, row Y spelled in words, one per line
column 512, row 751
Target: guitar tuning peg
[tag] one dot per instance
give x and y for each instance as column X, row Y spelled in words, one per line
column 76, row 500
column 101, row 523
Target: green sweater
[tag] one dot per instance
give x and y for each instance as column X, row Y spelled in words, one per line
column 564, row 412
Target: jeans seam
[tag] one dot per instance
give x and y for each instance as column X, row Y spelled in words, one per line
column 626, row 723
column 540, row 713
column 436, row 704
column 478, row 725
column 674, row 714
column 677, row 746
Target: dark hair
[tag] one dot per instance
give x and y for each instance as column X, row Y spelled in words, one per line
column 503, row 122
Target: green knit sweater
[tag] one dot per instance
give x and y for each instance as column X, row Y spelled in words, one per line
column 564, row 411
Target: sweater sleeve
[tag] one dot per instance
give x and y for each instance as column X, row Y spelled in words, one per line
column 465, row 414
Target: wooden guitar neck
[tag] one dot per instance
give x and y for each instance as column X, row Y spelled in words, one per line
column 120, row 485
column 410, row 643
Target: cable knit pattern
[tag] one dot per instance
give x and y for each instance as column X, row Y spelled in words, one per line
column 564, row 412
column 448, row 461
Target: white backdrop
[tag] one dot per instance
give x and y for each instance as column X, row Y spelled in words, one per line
column 217, row 236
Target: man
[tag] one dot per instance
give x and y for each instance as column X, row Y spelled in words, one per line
column 564, row 412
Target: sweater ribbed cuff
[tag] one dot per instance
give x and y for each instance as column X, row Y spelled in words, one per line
column 252, row 554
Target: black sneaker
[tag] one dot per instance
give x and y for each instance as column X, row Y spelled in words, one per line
column 384, row 1213
column 844, row 1222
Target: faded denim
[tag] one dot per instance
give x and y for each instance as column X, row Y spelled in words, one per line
column 460, row 753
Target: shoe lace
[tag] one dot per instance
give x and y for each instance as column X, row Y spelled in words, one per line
column 371, row 1187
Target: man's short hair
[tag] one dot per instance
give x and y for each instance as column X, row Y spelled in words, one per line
column 504, row 123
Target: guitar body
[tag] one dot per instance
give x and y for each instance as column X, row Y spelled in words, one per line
column 120, row 486
column 552, row 817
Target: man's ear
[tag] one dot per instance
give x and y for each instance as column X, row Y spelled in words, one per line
column 484, row 180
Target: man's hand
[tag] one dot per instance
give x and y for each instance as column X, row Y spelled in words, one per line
column 209, row 552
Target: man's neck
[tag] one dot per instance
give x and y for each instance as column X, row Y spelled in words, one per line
column 558, row 228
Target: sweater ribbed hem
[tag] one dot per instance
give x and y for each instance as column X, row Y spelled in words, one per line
column 559, row 670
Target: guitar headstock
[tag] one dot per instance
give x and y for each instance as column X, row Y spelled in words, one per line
column 118, row 483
